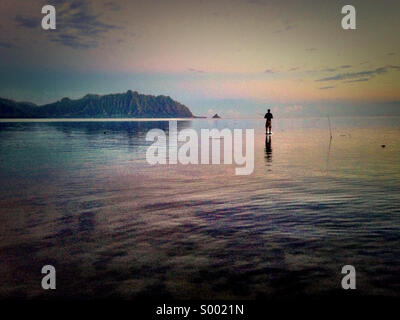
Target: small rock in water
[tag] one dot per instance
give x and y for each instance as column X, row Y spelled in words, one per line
column 104, row 132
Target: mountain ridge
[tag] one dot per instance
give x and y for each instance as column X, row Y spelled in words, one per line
column 130, row 104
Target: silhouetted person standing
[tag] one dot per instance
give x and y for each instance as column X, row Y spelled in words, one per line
column 268, row 124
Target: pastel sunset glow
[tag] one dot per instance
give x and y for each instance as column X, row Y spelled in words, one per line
column 231, row 56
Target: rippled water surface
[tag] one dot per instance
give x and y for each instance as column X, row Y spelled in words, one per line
column 81, row 196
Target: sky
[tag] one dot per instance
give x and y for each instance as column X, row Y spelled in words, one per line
column 232, row 57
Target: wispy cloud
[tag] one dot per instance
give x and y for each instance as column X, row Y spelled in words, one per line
column 73, row 41
column 195, row 70
column 258, row 2
column 78, row 27
column 286, row 28
column 112, row 6
column 325, row 88
column 346, row 66
column 361, row 74
column 270, row 71
column 26, row 22
column 311, row 49
column 7, row 45
column 358, row 80
column 328, row 70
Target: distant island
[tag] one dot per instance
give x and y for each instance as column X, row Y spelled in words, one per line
column 216, row 116
column 130, row 104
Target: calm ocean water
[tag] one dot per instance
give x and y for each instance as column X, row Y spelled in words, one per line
column 80, row 196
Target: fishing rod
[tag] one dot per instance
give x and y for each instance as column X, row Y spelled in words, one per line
column 330, row 127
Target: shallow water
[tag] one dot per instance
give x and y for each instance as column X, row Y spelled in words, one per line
column 80, row 196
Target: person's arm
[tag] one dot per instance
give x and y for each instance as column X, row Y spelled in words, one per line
column 272, row 116
column 265, row 117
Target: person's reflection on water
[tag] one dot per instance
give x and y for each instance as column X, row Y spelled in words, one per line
column 268, row 148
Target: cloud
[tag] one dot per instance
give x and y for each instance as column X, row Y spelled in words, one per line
column 195, row 70
column 78, row 27
column 60, row 1
column 7, row 45
column 112, row 6
column 257, row 2
column 73, row 41
column 358, row 80
column 346, row 66
column 26, row 22
column 311, row 49
column 325, row 88
column 361, row 74
column 270, row 71
column 329, row 70
column 294, row 69
column 286, row 28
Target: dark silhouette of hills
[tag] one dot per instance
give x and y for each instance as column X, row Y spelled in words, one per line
column 120, row 105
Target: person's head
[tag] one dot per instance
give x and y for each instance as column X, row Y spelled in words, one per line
column 269, row 110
